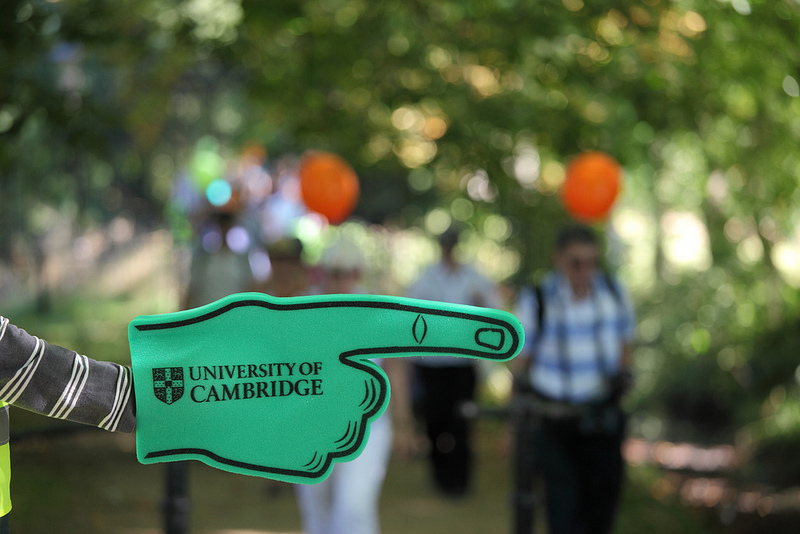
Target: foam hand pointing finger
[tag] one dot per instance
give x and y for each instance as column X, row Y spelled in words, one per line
column 283, row 388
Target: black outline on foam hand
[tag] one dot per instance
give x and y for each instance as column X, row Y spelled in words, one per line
column 318, row 467
column 419, row 337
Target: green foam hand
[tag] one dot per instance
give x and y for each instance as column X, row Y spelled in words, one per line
column 285, row 387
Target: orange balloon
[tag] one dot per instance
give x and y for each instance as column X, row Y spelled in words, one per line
column 591, row 186
column 328, row 185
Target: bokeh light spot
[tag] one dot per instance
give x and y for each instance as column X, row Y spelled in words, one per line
column 219, row 192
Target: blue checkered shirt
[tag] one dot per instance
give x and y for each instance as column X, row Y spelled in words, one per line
column 580, row 343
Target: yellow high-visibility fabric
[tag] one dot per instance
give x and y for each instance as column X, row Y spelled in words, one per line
column 5, row 463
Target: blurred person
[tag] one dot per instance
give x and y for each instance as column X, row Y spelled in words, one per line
column 220, row 263
column 448, row 382
column 579, row 326
column 59, row 383
column 347, row 501
column 289, row 276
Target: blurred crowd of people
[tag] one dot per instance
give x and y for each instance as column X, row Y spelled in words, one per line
column 578, row 324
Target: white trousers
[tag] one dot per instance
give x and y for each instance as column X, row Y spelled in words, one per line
column 347, row 501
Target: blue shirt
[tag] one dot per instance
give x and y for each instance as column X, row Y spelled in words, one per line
column 580, row 343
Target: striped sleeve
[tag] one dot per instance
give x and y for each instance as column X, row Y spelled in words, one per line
column 60, row 383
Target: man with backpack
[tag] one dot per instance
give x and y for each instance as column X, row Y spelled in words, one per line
column 579, row 325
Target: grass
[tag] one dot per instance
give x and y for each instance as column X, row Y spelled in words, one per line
column 91, row 483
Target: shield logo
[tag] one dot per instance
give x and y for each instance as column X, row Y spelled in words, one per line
column 168, row 383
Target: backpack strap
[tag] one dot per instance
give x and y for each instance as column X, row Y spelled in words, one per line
column 612, row 286
column 539, row 295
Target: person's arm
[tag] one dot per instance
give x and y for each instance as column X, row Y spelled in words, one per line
column 60, row 383
column 626, row 359
column 398, row 370
column 628, row 326
column 526, row 309
column 520, row 366
column 624, row 379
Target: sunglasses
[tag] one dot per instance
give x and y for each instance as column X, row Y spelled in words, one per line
column 576, row 264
